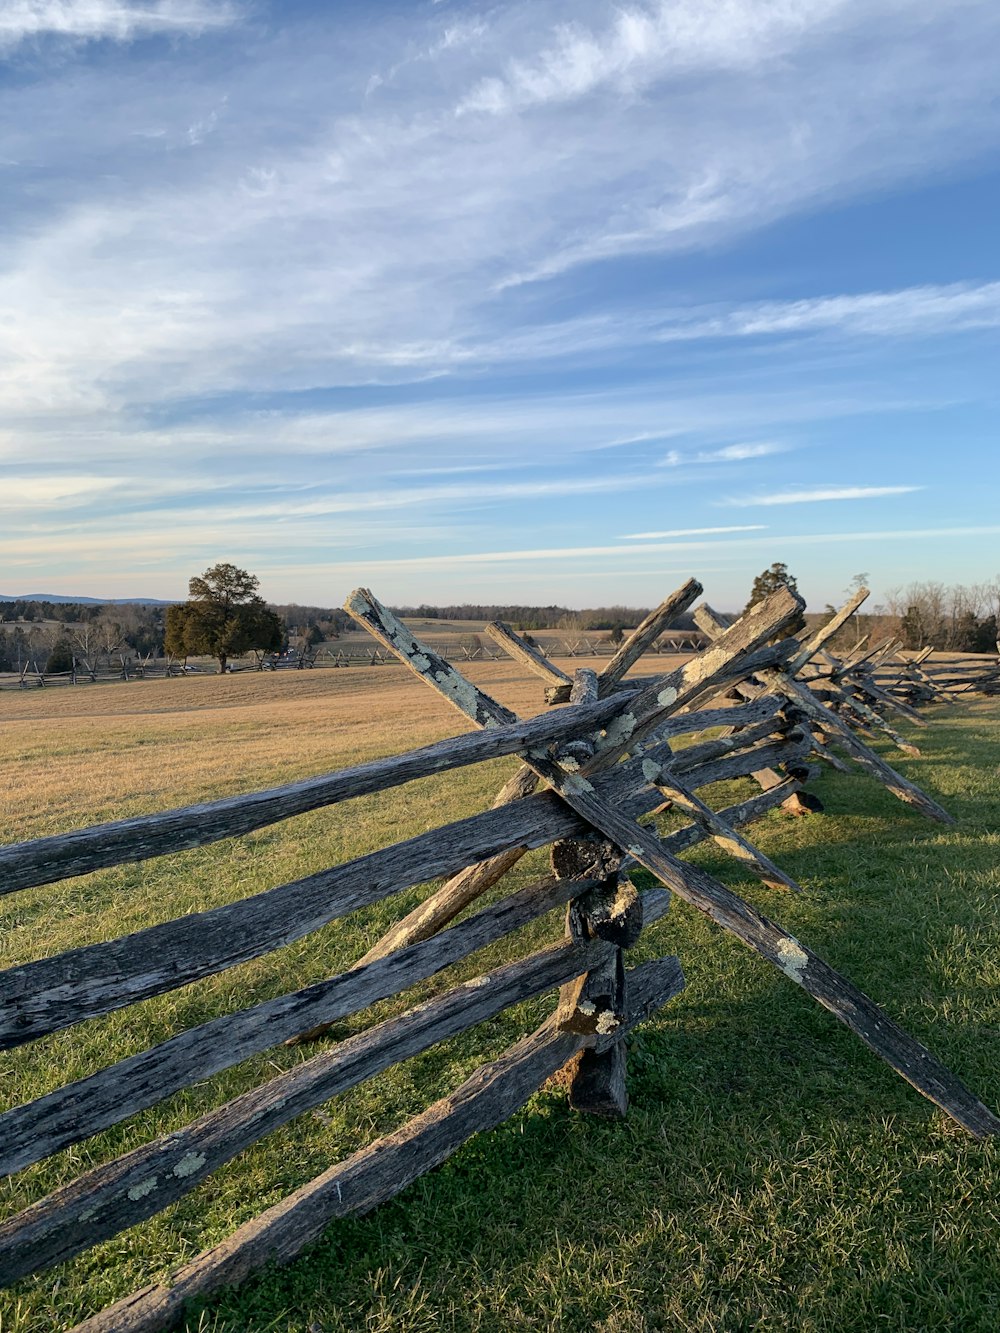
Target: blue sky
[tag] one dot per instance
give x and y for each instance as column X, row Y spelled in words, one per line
column 542, row 301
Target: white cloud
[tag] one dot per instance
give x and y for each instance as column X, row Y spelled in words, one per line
column 114, row 20
column 911, row 311
column 645, row 43
column 19, row 492
column 728, row 453
column 689, row 532
column 359, row 243
column 797, row 497
column 738, row 453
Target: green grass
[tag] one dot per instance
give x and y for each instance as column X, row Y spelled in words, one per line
column 772, row 1173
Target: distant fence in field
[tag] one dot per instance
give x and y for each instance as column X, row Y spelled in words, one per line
column 606, row 760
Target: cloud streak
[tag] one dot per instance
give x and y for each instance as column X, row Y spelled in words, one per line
column 818, row 495
column 111, row 20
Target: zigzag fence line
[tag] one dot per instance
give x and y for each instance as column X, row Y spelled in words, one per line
column 590, row 772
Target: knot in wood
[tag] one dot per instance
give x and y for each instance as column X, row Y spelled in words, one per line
column 574, row 754
column 586, row 858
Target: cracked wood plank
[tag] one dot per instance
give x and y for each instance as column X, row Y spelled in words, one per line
column 795, row 960
column 827, row 631
column 731, row 842
column 77, row 1110
column 381, row 1170
column 118, row 1194
column 523, row 652
column 44, row 860
column 646, row 634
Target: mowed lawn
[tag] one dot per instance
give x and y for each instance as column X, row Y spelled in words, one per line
column 772, row 1174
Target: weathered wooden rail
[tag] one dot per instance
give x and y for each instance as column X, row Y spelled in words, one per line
column 605, row 761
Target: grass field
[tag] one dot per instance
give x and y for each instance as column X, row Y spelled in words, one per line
column 771, row 1174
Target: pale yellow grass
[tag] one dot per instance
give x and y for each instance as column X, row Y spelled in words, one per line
column 87, row 754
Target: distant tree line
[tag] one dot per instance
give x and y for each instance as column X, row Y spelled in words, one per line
column 962, row 617
column 54, row 635
column 540, row 617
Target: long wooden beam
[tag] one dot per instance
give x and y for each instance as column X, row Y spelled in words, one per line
column 118, row 1194
column 522, row 651
column 794, row 959
column 641, row 638
column 45, row 860
column 79, row 1109
column 776, row 680
column 381, row 1170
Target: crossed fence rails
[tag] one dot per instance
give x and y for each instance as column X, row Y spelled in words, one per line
column 592, row 772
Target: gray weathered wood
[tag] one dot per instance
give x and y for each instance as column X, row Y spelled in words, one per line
column 118, row 1194
column 805, row 968
column 380, row 1171
column 775, row 679
column 731, row 656
column 843, row 999
column 744, row 812
column 702, row 765
column 827, row 631
column 52, row 993
column 425, row 663
column 595, row 1001
column 528, row 656
column 736, row 653
column 791, row 750
column 732, row 842
column 460, row 890
column 899, row 786
column 852, row 695
column 82, row 1108
column 635, row 644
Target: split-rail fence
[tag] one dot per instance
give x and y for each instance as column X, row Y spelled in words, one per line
column 592, row 772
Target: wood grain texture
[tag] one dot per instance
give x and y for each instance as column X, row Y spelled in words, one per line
column 82, row 1108
column 379, row 1172
column 794, row 959
column 52, row 993
column 645, row 635
column 112, row 1197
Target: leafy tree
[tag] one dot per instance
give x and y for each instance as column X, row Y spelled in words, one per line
column 223, row 617
column 770, row 580
column 60, row 658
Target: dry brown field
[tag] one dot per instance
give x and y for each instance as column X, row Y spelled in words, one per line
column 85, row 754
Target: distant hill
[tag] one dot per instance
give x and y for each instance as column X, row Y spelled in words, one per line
column 58, row 599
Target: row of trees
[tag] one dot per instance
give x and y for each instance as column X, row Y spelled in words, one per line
column 961, row 617
column 538, row 617
column 225, row 617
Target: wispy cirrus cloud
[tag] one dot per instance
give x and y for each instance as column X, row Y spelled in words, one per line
column 377, row 238
column 911, row 311
column 113, row 20
column 690, row 532
column 644, row 43
column 424, row 243
column 817, row 495
column 727, row 453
